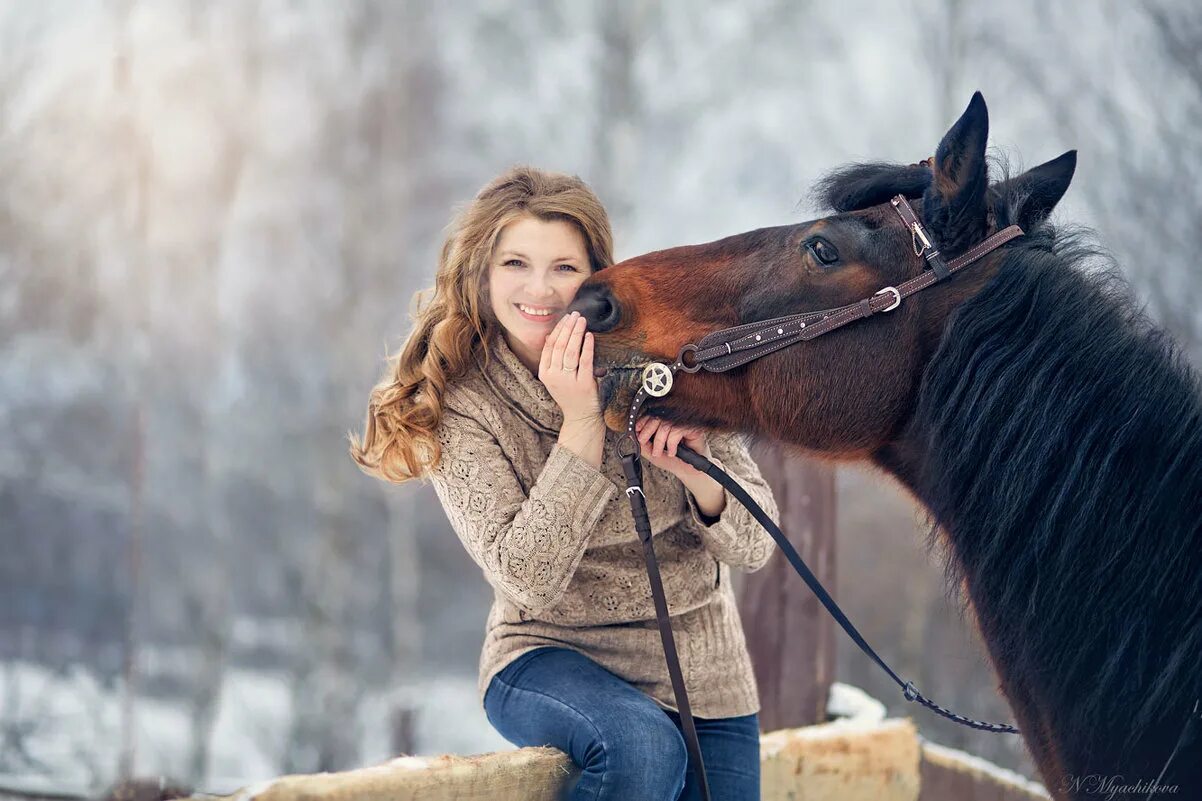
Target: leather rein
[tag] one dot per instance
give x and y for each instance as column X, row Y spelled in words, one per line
column 732, row 347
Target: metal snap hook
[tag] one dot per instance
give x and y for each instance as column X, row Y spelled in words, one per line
column 916, row 234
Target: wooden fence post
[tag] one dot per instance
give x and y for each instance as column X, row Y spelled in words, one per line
column 789, row 634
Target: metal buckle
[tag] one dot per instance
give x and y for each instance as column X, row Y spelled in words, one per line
column 896, row 295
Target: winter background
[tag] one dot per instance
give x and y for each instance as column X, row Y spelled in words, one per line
column 214, row 215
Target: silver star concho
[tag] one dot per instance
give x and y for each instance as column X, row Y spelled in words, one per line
column 657, row 379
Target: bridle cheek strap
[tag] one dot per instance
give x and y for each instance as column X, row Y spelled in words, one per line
column 734, row 347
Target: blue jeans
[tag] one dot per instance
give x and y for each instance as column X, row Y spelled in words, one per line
column 627, row 746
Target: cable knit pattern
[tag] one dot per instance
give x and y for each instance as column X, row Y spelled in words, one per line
column 554, row 537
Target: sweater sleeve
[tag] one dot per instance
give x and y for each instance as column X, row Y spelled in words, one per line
column 735, row 536
column 527, row 546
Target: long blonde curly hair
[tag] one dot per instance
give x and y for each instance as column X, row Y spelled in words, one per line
column 399, row 441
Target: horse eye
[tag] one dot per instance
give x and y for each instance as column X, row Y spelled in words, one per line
column 823, row 251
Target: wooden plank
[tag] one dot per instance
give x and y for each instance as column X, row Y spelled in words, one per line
column 789, row 634
column 847, row 760
column 951, row 775
column 841, row 761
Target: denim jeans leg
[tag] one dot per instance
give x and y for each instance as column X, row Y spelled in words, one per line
column 730, row 748
column 626, row 746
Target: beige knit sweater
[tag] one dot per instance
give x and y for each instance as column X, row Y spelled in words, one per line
column 555, row 539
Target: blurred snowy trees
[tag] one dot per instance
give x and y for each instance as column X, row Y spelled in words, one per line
column 213, row 216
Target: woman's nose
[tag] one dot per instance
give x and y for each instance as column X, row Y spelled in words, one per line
column 540, row 287
column 598, row 306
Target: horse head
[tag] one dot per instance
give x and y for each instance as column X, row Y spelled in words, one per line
column 845, row 395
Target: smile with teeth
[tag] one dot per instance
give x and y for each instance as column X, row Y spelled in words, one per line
column 530, row 311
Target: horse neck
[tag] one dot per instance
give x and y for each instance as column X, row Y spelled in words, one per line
column 1057, row 441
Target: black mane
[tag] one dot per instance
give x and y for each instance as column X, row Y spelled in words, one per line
column 1063, row 437
column 858, row 186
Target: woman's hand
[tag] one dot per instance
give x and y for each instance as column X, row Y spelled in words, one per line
column 657, row 444
column 658, row 440
column 566, row 369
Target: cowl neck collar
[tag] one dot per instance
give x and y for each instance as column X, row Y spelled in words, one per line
column 519, row 388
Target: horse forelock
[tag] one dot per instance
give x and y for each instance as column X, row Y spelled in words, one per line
column 855, row 187
column 858, row 186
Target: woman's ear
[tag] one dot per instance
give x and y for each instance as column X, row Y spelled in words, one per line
column 953, row 206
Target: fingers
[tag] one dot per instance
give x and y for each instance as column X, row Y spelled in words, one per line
column 661, row 440
column 645, row 428
column 692, row 436
column 658, row 437
column 586, row 357
column 575, row 338
column 544, row 362
column 561, row 341
column 674, row 439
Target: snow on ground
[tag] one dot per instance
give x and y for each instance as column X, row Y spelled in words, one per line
column 77, row 738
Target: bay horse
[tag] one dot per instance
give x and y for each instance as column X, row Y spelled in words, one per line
column 1052, row 432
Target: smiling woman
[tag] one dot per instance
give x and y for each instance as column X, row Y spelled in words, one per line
column 529, row 238
column 538, row 266
column 495, row 399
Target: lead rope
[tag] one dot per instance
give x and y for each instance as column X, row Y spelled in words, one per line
column 660, row 382
column 911, row 693
column 632, row 467
column 628, row 451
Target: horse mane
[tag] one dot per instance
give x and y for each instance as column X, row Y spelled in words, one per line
column 1062, row 433
column 858, row 186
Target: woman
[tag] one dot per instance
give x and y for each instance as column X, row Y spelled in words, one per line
column 493, row 398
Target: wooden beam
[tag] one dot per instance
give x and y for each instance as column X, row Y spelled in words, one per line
column 840, row 761
column 789, row 633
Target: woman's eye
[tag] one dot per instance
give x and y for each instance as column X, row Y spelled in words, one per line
column 520, row 263
column 823, row 251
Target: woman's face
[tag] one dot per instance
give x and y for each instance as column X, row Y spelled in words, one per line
column 533, row 275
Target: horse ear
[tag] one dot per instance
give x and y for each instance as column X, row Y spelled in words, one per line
column 1036, row 192
column 953, row 206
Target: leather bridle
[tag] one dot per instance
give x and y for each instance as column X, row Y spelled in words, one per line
column 732, row 347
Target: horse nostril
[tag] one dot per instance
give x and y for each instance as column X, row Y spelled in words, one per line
column 598, row 307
